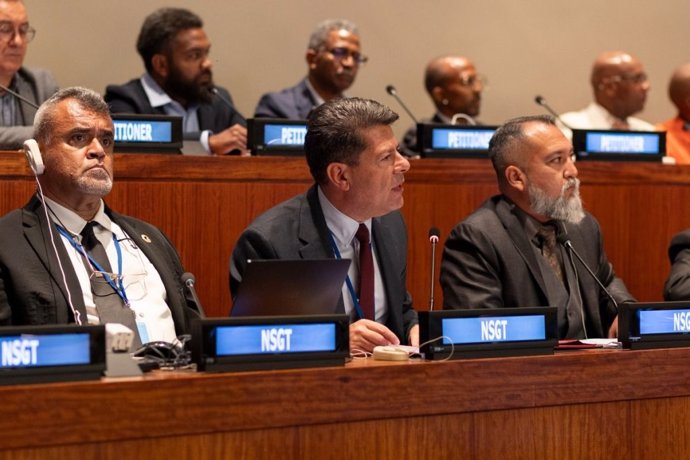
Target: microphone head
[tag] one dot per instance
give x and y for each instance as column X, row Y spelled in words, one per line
column 434, row 233
column 188, row 279
column 390, row 89
column 562, row 236
column 539, row 100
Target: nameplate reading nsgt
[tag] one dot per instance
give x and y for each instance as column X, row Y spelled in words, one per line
column 248, row 343
column 619, row 145
column 654, row 325
column 489, row 332
column 30, row 354
column 452, row 141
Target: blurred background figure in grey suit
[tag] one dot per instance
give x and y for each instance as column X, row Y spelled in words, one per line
column 32, row 85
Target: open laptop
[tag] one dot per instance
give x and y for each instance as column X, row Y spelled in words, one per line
column 290, row 287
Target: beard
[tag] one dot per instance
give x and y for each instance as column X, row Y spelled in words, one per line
column 95, row 182
column 559, row 208
column 195, row 91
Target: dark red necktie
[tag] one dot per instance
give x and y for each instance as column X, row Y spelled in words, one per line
column 366, row 273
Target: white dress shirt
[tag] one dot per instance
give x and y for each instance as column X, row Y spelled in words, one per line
column 142, row 283
column 343, row 229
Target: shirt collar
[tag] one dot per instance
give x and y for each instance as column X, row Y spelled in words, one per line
column 157, row 97
column 71, row 221
column 605, row 114
column 341, row 226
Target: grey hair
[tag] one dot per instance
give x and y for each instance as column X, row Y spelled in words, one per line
column 44, row 120
column 320, row 34
column 507, row 135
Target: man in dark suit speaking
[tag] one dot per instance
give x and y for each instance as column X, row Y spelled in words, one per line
column 508, row 253
column 68, row 258
column 351, row 210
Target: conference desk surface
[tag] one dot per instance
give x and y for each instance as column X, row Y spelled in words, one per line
column 204, row 203
column 604, row 404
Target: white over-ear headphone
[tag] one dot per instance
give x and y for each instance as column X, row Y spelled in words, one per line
column 33, row 156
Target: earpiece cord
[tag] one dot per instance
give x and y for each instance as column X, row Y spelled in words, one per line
column 49, row 221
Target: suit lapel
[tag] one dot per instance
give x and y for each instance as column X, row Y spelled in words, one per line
column 382, row 237
column 36, row 233
column 25, row 89
column 313, row 234
column 305, row 101
column 506, row 213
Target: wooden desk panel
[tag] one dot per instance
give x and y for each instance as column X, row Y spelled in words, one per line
column 579, row 404
column 204, row 203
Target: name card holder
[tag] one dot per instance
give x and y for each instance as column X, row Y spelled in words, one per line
column 140, row 133
column 453, row 141
column 273, row 136
column 609, row 145
column 654, row 325
column 487, row 333
column 270, row 342
column 40, row 354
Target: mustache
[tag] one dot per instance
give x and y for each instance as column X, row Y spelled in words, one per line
column 572, row 183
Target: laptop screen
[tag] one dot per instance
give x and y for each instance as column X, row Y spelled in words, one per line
column 290, row 287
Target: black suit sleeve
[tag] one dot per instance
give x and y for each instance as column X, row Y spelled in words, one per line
column 251, row 245
column 470, row 276
column 677, row 285
column 120, row 101
column 268, row 108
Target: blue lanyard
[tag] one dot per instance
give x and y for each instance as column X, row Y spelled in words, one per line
column 353, row 294
column 117, row 284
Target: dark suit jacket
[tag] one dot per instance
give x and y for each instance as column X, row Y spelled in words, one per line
column 215, row 116
column 31, row 288
column 35, row 85
column 294, row 103
column 488, row 262
column 678, row 283
column 296, row 229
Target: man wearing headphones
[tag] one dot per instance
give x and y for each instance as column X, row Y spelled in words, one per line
column 68, row 258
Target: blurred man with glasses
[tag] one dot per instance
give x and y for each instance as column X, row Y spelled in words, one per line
column 620, row 87
column 333, row 57
column 34, row 85
column 455, row 88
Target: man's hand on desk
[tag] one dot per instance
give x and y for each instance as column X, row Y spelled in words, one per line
column 229, row 140
column 366, row 334
column 413, row 337
column 613, row 330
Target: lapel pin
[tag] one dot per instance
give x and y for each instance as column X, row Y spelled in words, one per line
column 145, row 237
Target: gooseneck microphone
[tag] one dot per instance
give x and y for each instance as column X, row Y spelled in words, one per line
column 19, row 96
column 188, row 280
column 390, row 89
column 434, row 233
column 563, row 238
column 218, row 94
column 542, row 102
